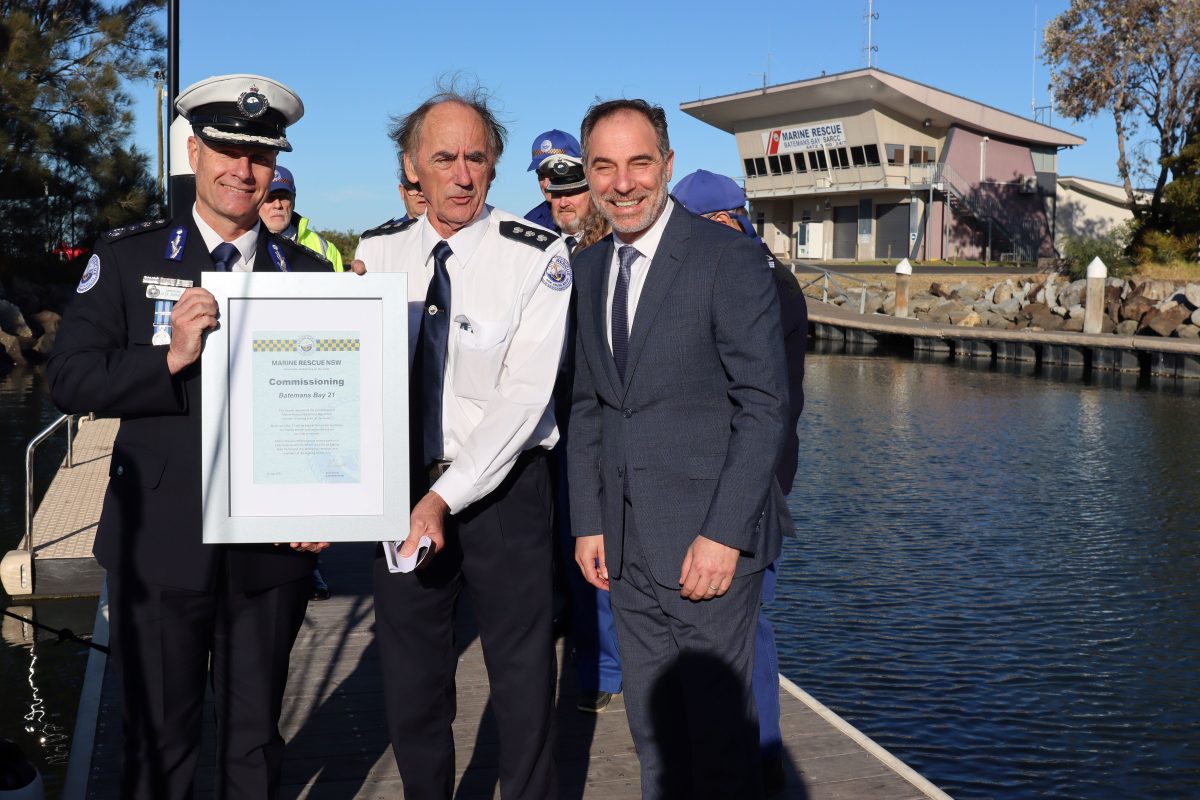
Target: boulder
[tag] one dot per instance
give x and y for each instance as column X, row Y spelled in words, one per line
column 1135, row 307
column 1076, row 311
column 1112, row 300
column 1188, row 331
column 45, row 343
column 1191, row 294
column 921, row 302
column 1196, row 317
column 1010, row 308
column 1002, row 293
column 48, row 321
column 1058, row 311
column 945, row 310
column 12, row 346
column 966, row 319
column 1074, row 325
column 1163, row 322
column 993, row 320
column 1155, row 290
column 11, row 320
column 1127, row 327
column 1107, row 325
column 966, row 292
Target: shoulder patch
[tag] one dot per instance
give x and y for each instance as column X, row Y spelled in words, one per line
column 91, row 274
column 391, row 226
column 558, row 274
column 531, row 235
column 129, row 230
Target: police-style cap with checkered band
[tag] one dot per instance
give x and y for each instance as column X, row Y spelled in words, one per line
column 553, row 143
column 241, row 109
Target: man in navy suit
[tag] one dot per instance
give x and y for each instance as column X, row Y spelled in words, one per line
column 678, row 419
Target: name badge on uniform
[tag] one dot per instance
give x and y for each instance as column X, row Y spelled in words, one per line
column 164, row 292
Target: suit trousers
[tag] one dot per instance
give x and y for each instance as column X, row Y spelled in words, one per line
column 687, row 668
column 500, row 550
column 162, row 640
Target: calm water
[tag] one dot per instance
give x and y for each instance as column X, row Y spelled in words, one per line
column 41, row 678
column 996, row 578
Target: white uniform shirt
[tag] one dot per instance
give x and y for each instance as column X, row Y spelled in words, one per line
column 647, row 246
column 507, row 326
column 246, row 244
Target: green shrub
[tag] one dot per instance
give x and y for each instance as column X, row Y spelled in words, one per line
column 1164, row 248
column 1112, row 248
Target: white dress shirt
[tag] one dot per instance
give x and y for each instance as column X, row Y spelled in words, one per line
column 246, row 244
column 507, row 326
column 647, row 246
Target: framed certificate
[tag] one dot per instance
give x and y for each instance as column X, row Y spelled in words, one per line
column 305, row 408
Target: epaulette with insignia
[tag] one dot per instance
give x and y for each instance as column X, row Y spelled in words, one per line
column 391, row 226
column 529, row 234
column 129, row 230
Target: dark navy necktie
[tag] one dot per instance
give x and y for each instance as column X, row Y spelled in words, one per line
column 571, row 242
column 432, row 347
column 620, row 308
column 224, row 256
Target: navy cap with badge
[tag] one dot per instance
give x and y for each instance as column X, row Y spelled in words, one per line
column 283, row 181
column 703, row 192
column 241, row 109
column 553, row 143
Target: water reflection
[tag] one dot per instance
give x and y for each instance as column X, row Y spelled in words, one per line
column 996, row 577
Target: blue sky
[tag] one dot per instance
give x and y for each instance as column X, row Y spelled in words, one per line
column 357, row 63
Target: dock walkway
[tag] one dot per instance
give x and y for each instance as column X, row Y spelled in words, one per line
column 338, row 745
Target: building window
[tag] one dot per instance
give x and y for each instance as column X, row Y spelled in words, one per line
column 802, row 234
column 760, row 223
column 760, row 164
column 839, row 157
column 800, row 163
column 817, row 160
column 921, row 155
column 755, row 167
column 749, row 164
column 872, row 153
column 858, row 156
column 780, row 165
column 895, row 154
column 864, row 219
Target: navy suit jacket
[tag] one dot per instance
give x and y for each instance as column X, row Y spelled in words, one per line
column 695, row 430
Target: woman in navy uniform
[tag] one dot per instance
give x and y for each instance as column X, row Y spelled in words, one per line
column 129, row 346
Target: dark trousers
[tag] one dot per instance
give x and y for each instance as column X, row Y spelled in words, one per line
column 501, row 551
column 163, row 642
column 687, row 668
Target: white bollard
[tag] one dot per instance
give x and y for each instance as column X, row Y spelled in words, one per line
column 1093, row 315
column 903, row 274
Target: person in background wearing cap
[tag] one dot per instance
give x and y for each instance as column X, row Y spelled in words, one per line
column 279, row 214
column 721, row 200
column 593, row 632
column 551, row 143
column 413, row 197
column 129, row 347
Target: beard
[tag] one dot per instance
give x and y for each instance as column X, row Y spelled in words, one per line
column 656, row 201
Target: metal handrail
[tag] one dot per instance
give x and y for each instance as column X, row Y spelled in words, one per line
column 46, row 433
column 825, row 280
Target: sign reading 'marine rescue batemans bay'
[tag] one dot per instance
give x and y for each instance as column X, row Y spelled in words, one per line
column 806, row 137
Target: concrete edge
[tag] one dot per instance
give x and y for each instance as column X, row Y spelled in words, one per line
column 866, row 742
column 83, row 741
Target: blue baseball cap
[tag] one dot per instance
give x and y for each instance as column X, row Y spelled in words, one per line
column 704, row 192
column 283, row 181
column 553, row 143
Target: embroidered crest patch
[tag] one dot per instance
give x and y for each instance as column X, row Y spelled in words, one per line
column 91, row 274
column 558, row 274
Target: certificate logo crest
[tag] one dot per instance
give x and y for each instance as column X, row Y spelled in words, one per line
column 306, row 344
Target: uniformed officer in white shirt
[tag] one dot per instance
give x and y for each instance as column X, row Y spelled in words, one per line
column 483, row 479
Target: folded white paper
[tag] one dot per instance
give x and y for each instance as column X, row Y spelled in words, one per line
column 396, row 563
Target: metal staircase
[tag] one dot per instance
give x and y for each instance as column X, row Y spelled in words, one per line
column 1022, row 233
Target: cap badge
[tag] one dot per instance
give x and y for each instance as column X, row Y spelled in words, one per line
column 547, row 145
column 252, row 103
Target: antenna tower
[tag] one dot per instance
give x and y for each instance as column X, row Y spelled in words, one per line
column 871, row 48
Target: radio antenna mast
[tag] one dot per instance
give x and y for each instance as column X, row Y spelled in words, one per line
column 872, row 48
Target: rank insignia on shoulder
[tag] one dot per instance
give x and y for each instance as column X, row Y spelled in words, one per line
column 533, row 236
column 175, row 244
column 391, row 226
column 142, row 227
column 558, row 274
column 91, row 274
